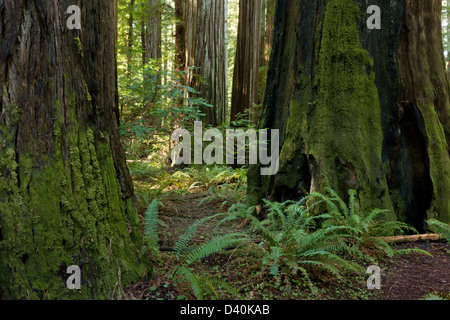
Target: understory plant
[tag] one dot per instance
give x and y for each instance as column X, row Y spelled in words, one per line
column 202, row 285
column 365, row 229
column 439, row 227
column 290, row 244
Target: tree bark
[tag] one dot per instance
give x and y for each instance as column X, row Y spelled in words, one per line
column 265, row 45
column 130, row 39
column 246, row 67
column 180, row 36
column 66, row 196
column 268, row 39
column 151, row 32
column 359, row 108
column 206, row 52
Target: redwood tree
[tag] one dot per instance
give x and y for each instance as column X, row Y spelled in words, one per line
column 66, row 196
column 151, row 33
column 246, row 66
column 205, row 23
column 360, row 108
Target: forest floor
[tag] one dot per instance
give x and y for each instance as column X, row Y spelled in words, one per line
column 406, row 277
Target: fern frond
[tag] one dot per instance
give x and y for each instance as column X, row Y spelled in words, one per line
column 182, row 243
column 215, row 245
column 194, row 282
column 401, row 252
column 342, row 205
column 151, row 224
column 440, row 228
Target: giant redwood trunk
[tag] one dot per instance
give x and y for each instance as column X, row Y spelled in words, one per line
column 359, row 108
column 66, row 197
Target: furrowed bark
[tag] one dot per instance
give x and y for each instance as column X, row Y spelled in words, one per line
column 66, row 196
column 359, row 108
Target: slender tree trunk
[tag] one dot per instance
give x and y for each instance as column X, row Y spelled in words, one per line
column 206, row 51
column 180, row 36
column 359, row 108
column 268, row 39
column 265, row 45
column 151, row 32
column 246, row 67
column 130, row 35
column 66, row 196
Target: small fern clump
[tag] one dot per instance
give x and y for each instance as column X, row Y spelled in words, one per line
column 151, row 222
column 188, row 255
column 291, row 245
column 439, row 227
column 365, row 229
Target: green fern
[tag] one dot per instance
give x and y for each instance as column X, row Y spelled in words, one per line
column 441, row 228
column 181, row 246
column 187, row 254
column 364, row 228
column 216, row 245
column 290, row 242
column 151, row 224
column 205, row 286
column 193, row 280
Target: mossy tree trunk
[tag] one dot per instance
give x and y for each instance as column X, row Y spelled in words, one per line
column 359, row 108
column 66, row 196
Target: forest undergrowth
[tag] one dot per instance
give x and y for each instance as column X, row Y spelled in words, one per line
column 207, row 243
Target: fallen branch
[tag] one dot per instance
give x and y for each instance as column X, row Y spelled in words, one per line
column 412, row 238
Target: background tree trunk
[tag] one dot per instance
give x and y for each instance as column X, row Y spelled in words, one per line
column 206, row 50
column 66, row 196
column 246, row 67
column 130, row 41
column 359, row 108
column 151, row 32
column 268, row 13
column 180, row 36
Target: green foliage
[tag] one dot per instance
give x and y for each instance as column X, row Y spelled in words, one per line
column 290, row 245
column 205, row 286
column 151, row 221
column 437, row 296
column 441, row 228
column 153, row 108
column 187, row 255
column 364, row 228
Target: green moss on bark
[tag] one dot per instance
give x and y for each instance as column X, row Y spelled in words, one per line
column 336, row 122
column 59, row 212
column 438, row 152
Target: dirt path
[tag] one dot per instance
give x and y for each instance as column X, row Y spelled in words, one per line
column 412, row 277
